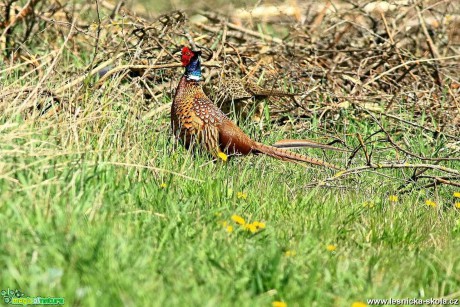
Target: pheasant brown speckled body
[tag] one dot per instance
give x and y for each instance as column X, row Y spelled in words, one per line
column 196, row 119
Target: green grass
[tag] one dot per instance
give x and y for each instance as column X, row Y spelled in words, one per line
column 84, row 216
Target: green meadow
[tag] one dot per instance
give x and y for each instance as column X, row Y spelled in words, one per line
column 101, row 207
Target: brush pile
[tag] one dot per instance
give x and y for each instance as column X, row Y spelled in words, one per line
column 395, row 62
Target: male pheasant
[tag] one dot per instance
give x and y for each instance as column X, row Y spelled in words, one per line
column 196, row 119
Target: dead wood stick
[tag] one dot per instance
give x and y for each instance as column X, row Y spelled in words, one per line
column 382, row 166
column 413, row 124
column 368, row 159
column 440, row 181
column 390, row 35
column 256, row 34
column 407, row 63
column 160, row 66
column 453, row 183
column 26, row 10
column 190, row 40
column 433, row 50
column 222, row 46
column 246, row 31
column 396, row 146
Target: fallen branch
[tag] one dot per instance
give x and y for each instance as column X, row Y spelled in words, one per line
column 373, row 167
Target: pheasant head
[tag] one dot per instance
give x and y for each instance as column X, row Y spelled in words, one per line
column 191, row 61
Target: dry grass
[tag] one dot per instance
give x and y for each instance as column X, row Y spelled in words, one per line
column 363, row 62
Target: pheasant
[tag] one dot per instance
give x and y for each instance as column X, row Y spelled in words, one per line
column 196, row 119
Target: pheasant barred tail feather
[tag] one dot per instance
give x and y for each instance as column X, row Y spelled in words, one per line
column 286, row 155
column 288, row 143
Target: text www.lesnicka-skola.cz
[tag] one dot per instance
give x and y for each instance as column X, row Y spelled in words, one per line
column 412, row 301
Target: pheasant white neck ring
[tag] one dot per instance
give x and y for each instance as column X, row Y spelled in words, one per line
column 194, row 78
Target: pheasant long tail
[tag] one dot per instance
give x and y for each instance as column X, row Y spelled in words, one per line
column 286, row 155
column 288, row 143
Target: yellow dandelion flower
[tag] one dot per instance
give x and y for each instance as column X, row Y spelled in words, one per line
column 242, row 195
column 430, row 203
column 222, row 156
column 331, row 248
column 289, row 253
column 259, row 225
column 238, row 219
column 393, row 198
column 163, row 185
column 251, row 227
column 229, row 228
column 457, row 194
column 279, row 304
column 358, row 304
column 457, row 205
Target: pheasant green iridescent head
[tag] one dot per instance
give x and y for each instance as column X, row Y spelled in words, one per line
column 191, row 61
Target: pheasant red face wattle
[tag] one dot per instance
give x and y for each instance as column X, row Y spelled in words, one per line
column 186, row 56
